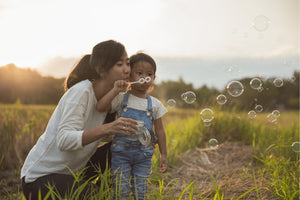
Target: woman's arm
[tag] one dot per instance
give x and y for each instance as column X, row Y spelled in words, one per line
column 160, row 131
column 122, row 125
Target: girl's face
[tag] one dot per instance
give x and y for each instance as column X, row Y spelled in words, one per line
column 139, row 70
column 120, row 71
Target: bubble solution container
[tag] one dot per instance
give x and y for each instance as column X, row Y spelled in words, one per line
column 143, row 134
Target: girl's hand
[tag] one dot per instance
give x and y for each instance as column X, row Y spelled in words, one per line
column 120, row 85
column 126, row 126
column 163, row 164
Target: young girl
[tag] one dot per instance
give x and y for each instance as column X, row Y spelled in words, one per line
column 131, row 160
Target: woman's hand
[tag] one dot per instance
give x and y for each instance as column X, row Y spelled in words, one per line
column 122, row 125
column 126, row 126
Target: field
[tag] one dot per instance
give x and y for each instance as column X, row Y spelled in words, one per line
column 254, row 158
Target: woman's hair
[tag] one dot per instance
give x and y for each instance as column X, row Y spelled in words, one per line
column 142, row 57
column 104, row 56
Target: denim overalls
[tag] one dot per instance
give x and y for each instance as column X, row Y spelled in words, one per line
column 131, row 161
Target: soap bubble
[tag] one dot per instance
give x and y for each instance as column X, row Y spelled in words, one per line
column 296, row 147
column 207, row 115
column 276, row 113
column 233, row 70
column 278, row 82
column 207, row 124
column 221, row 99
column 171, row 103
column 260, row 89
column 261, row 23
column 189, row 97
column 259, row 108
column 271, row 118
column 213, row 143
column 235, row 88
column 255, row 83
column 251, row 114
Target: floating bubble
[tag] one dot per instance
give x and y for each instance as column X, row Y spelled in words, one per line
column 261, row 23
column 251, row 114
column 213, row 143
column 189, row 97
column 296, row 147
column 271, row 118
column 278, row 82
column 171, row 103
column 207, row 124
column 235, row 88
column 233, row 70
column 260, row 89
column 259, row 108
column 276, row 113
column 207, row 115
column 255, row 83
column 221, row 99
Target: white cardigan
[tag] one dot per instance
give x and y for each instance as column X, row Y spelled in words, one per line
column 60, row 149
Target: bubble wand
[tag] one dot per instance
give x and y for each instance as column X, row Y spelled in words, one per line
column 141, row 80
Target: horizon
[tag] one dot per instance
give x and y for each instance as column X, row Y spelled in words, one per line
column 198, row 71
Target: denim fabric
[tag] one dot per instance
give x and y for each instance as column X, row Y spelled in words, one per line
column 131, row 161
column 131, row 164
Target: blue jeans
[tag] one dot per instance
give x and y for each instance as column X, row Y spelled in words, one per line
column 131, row 166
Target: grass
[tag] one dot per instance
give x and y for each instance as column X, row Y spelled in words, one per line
column 276, row 162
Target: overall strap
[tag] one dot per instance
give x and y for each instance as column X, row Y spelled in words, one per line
column 149, row 108
column 125, row 100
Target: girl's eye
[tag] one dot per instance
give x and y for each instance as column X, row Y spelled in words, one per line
column 119, row 64
column 128, row 63
column 139, row 73
column 149, row 74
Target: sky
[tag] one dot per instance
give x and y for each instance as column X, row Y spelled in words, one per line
column 51, row 35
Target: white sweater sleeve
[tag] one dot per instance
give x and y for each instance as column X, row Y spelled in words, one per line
column 71, row 126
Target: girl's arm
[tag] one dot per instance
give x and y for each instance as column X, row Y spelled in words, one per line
column 160, row 131
column 104, row 104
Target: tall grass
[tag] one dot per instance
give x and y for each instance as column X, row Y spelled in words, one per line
column 21, row 125
column 275, row 159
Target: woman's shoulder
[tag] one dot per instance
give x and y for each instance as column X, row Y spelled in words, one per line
column 80, row 89
column 82, row 85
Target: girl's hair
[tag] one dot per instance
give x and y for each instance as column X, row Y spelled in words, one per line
column 142, row 57
column 104, row 56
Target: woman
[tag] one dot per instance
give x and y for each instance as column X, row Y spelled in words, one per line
column 76, row 128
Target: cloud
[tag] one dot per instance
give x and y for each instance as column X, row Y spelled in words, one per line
column 58, row 66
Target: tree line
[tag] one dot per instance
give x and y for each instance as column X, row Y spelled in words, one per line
column 27, row 86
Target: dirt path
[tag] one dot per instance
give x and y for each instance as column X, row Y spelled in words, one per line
column 230, row 166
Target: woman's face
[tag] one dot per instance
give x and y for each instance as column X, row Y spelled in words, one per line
column 120, row 71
